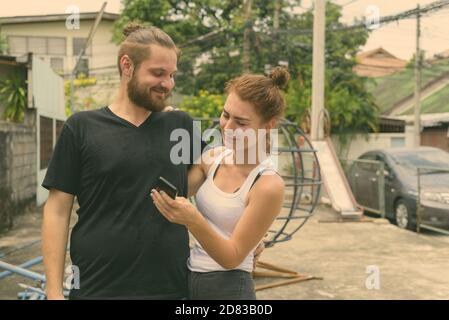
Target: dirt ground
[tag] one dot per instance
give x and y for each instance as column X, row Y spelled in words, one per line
column 356, row 260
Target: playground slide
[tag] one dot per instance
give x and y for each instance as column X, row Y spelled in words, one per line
column 334, row 180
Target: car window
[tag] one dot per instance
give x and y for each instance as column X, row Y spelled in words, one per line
column 428, row 158
column 367, row 166
column 382, row 159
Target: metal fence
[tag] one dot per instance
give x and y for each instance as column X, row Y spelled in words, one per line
column 367, row 181
column 432, row 207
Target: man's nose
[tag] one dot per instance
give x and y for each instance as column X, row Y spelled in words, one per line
column 168, row 84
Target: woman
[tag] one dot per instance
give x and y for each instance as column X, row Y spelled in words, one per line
column 237, row 199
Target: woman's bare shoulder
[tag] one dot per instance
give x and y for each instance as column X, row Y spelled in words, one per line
column 208, row 157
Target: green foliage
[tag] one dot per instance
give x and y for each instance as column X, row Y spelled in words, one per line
column 13, row 96
column 204, row 105
column 81, row 82
column 184, row 21
column 351, row 107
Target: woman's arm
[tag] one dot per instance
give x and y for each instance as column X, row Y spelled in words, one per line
column 198, row 172
column 264, row 204
column 196, row 178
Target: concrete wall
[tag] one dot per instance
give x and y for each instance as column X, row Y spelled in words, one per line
column 17, row 170
column 362, row 143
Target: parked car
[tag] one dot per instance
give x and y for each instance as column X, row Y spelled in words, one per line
column 401, row 184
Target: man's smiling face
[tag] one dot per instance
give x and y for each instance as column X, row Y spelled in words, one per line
column 153, row 79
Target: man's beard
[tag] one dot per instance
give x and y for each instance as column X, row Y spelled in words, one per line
column 141, row 96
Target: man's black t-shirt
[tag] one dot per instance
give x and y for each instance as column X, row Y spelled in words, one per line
column 123, row 247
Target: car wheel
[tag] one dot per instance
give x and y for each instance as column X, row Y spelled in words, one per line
column 403, row 216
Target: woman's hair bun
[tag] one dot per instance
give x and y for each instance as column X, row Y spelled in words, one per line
column 280, row 76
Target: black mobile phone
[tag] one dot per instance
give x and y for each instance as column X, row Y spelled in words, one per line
column 167, row 187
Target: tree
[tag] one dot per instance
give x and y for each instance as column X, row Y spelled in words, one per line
column 351, row 107
column 212, row 32
column 13, row 96
column 183, row 21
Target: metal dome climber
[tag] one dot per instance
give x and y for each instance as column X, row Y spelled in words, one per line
column 298, row 166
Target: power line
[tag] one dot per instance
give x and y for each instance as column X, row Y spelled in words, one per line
column 348, row 3
column 437, row 5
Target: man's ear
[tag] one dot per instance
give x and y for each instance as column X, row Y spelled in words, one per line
column 127, row 66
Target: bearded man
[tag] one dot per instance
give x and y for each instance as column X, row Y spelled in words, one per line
column 110, row 159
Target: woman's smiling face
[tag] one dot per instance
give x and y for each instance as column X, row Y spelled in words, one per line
column 240, row 123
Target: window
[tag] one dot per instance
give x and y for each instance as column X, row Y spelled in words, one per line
column 83, row 67
column 17, row 45
column 78, row 44
column 37, row 45
column 368, row 165
column 57, row 46
column 57, row 64
column 397, row 142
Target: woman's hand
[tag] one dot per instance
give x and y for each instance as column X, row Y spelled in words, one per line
column 170, row 109
column 179, row 211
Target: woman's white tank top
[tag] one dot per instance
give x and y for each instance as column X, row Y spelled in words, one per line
column 223, row 210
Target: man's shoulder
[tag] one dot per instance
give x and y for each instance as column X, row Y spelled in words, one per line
column 180, row 119
column 82, row 117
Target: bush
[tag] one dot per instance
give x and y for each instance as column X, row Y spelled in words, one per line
column 205, row 105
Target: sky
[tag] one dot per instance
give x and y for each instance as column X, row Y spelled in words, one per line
column 397, row 38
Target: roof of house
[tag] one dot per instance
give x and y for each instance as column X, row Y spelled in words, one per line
column 427, row 120
column 442, row 55
column 394, row 93
column 15, row 61
column 55, row 17
column 378, row 62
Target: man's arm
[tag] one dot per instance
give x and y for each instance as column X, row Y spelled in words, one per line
column 55, row 231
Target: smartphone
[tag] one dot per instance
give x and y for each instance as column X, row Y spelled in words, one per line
column 167, row 187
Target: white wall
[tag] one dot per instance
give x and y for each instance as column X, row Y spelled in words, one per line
column 361, row 144
column 104, row 52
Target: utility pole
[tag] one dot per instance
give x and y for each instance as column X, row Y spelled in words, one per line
column 417, row 123
column 274, row 45
column 319, row 24
column 246, row 35
column 81, row 53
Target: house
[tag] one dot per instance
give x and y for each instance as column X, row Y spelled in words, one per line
column 434, row 129
column 49, row 38
column 26, row 147
column 378, row 63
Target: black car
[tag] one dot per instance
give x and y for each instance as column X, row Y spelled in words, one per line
column 401, row 184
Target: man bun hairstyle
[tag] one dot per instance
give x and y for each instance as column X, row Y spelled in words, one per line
column 137, row 41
